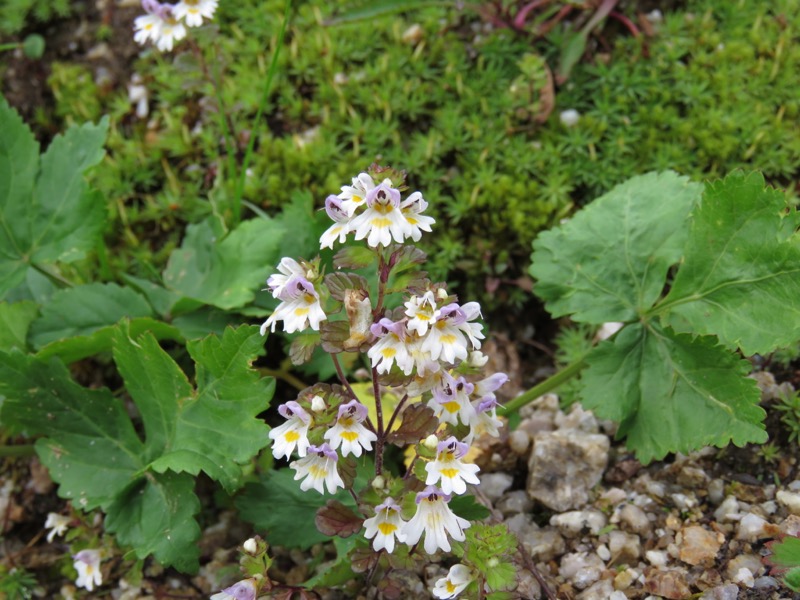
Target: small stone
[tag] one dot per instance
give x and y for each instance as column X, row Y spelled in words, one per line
column 581, row 569
column 601, row 590
column 766, row 583
column 791, row 500
column 564, row 466
column 745, row 577
column 495, row 484
column 573, row 523
column 614, row 496
column 519, row 441
column 632, row 518
column 698, row 546
column 751, row 528
column 514, row 502
column 716, row 491
column 791, row 525
column 692, row 477
column 582, row 420
column 723, row 592
column 625, row 579
column 603, row 552
column 684, row 501
column 625, row 547
column 750, row 562
column 527, row 586
column 657, row 558
column 668, row 584
column 728, row 510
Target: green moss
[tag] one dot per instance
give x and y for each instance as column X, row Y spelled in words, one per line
column 715, row 90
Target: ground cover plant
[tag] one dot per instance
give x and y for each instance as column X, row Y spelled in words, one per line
column 136, row 243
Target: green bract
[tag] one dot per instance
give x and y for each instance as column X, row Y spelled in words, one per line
column 47, row 211
column 145, row 486
column 669, row 377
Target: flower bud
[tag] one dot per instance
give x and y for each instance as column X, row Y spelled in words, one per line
column 477, row 359
column 431, row 442
column 493, row 562
column 441, row 293
column 379, row 482
column 317, row 404
column 250, row 546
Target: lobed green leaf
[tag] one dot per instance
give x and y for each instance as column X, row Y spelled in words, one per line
column 609, row 262
column 740, row 275
column 671, row 392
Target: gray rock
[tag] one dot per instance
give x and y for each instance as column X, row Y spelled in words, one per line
column 632, row 518
column 581, row 569
column 791, row 500
column 541, row 544
column 564, row 466
column 751, row 528
column 722, row 592
column 575, row 522
column 601, row 590
column 583, row 420
column 626, row 548
column 751, row 562
column 494, row 485
column 514, row 502
column 519, row 441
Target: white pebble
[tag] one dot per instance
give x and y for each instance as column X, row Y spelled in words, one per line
column 657, row 558
column 790, row 500
column 745, row 577
column 751, row 528
column 603, row 552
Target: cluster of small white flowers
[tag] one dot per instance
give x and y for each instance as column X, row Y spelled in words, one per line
column 433, row 341
column 375, row 212
column 165, row 24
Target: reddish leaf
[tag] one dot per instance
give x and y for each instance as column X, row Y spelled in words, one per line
column 336, row 519
column 363, row 559
column 418, row 423
column 334, row 334
column 303, row 347
column 353, row 258
column 347, row 471
column 339, row 283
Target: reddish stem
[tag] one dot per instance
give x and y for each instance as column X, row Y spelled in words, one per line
column 629, row 25
column 519, row 20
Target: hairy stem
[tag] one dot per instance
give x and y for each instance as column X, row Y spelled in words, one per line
column 376, row 388
column 542, row 388
column 18, row 451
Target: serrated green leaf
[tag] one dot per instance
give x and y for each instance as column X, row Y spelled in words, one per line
column 792, row 579
column 155, row 516
column 15, row 319
column 47, row 210
column 224, row 271
column 277, row 506
column 73, row 349
column 610, row 261
column 82, row 310
column 740, row 277
column 672, row 393
column 785, row 553
column 204, row 321
column 93, row 451
column 214, row 429
column 468, row 508
column 305, row 223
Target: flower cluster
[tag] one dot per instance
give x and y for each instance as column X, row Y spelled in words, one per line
column 165, row 24
column 375, row 212
column 426, row 351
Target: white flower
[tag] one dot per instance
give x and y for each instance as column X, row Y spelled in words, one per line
column 569, row 117
column 435, row 519
column 446, row 339
column 485, row 420
column 243, row 590
column 159, row 25
column 341, row 226
column 87, row 563
column 390, row 347
column 385, row 526
column 290, row 270
column 411, row 208
column 382, row 220
column 146, row 27
column 318, row 468
column 455, row 475
column 349, row 431
column 193, row 11
column 354, row 196
column 421, row 311
column 300, row 307
column 450, row 401
column 58, row 523
column 292, row 433
column 458, row 578
column 318, row 404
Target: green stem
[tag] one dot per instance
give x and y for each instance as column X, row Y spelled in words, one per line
column 21, row 450
column 11, row 46
column 285, row 376
column 542, row 388
column 273, row 67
